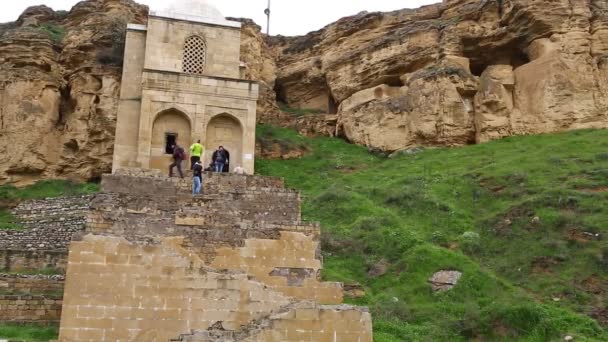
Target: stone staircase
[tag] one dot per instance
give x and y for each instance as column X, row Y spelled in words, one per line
column 234, row 264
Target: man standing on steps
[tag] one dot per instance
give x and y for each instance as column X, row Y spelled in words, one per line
column 219, row 159
column 227, row 164
column 178, row 156
column 197, row 178
column 196, row 151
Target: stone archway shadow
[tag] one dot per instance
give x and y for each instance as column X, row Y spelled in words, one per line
column 169, row 125
column 226, row 130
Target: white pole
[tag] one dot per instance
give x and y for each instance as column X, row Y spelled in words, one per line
column 268, row 19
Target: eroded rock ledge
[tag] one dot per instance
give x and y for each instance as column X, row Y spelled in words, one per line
column 459, row 72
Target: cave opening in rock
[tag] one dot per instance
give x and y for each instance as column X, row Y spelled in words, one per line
column 332, row 105
column 391, row 81
column 481, row 57
column 280, row 93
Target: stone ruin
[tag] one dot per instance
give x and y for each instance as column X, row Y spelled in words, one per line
column 234, row 264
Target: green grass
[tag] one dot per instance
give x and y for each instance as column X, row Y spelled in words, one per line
column 41, row 189
column 470, row 209
column 298, row 111
column 8, row 220
column 29, row 332
column 46, row 189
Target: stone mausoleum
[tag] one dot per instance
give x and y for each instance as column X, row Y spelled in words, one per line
column 181, row 83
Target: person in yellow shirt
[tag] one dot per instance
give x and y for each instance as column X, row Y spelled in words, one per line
column 196, row 152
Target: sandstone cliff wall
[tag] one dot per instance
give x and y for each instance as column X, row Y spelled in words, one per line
column 59, row 84
column 458, row 72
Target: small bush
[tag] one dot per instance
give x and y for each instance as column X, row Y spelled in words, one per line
column 439, row 238
column 391, row 309
column 55, row 32
column 470, row 242
column 334, row 194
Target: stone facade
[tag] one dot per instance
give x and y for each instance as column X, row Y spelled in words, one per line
column 181, row 80
column 158, row 265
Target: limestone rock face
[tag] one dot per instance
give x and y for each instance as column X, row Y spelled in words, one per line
column 453, row 73
column 59, row 83
column 259, row 65
column 459, row 72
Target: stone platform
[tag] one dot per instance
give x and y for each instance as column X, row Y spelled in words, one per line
column 234, row 264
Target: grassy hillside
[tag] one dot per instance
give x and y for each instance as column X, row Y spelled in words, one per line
column 524, row 219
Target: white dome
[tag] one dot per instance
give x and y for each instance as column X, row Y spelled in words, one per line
column 196, row 11
column 197, row 8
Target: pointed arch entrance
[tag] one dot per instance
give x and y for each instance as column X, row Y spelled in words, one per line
column 225, row 130
column 170, row 126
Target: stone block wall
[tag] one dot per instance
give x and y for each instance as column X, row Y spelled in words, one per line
column 19, row 284
column 136, row 181
column 290, row 264
column 120, row 291
column 299, row 322
column 48, row 224
column 28, row 261
column 158, row 263
column 30, row 308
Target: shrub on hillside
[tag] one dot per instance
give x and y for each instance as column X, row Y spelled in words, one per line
column 470, row 242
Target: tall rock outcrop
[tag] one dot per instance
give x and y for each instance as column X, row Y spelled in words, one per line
column 462, row 71
column 59, row 83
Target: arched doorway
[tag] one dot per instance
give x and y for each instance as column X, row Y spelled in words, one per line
column 170, row 126
column 225, row 130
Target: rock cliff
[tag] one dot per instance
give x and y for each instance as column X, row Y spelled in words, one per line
column 60, row 76
column 59, row 82
column 457, row 72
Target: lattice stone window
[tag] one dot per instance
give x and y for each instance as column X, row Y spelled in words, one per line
column 195, row 50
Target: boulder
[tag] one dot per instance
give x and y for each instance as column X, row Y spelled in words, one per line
column 444, row 280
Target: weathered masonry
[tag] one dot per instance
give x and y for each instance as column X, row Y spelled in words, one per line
column 181, row 83
column 41, row 245
column 234, row 264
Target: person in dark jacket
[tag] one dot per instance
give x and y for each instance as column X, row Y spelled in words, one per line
column 178, row 156
column 219, row 159
column 227, row 164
